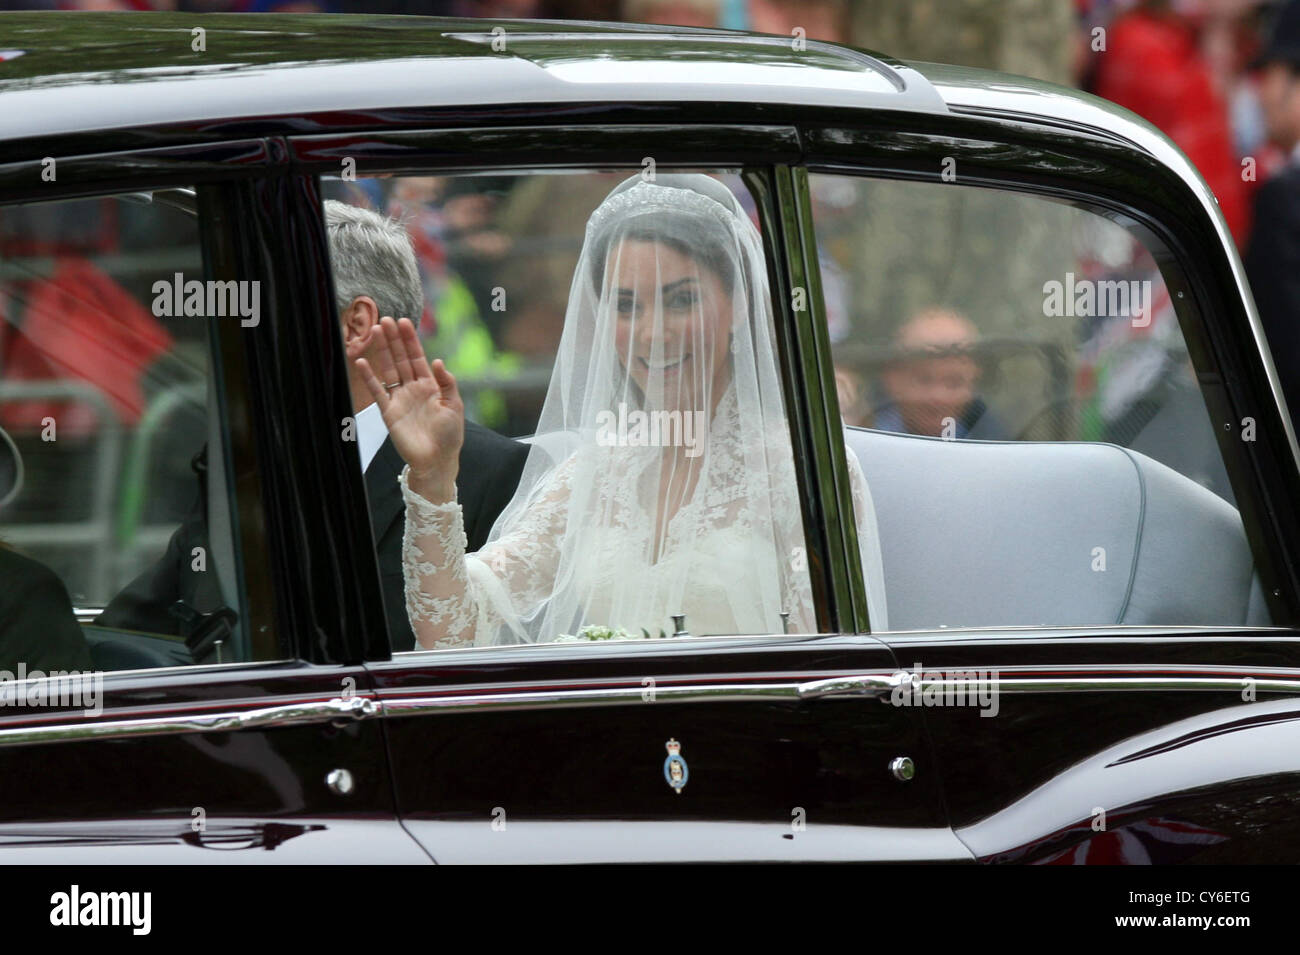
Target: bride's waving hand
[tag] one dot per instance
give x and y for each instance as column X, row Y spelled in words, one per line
column 421, row 407
column 425, row 417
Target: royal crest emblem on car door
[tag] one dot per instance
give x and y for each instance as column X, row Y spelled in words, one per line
column 676, row 772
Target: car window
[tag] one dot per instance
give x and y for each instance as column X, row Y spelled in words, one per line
column 117, row 525
column 1020, row 394
column 627, row 471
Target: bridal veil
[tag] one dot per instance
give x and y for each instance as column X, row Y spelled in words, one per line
column 661, row 478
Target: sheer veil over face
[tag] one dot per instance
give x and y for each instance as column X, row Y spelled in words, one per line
column 661, row 478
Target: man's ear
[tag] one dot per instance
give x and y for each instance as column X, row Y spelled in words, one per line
column 357, row 320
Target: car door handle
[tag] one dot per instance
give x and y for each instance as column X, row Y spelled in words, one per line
column 339, row 711
column 871, row 685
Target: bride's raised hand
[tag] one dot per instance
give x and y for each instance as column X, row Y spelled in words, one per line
column 420, row 405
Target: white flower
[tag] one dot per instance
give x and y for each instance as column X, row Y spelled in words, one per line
column 596, row 632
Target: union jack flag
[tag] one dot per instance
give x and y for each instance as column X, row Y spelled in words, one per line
column 1154, row 841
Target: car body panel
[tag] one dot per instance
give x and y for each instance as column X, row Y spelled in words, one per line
column 1167, row 733
column 535, row 744
column 290, row 840
column 588, row 841
column 190, row 758
column 1218, row 787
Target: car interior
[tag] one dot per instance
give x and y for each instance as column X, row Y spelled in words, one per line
column 209, row 633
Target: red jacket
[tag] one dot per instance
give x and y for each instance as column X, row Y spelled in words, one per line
column 1153, row 66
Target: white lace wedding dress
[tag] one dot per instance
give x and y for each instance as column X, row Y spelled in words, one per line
column 458, row 599
column 669, row 314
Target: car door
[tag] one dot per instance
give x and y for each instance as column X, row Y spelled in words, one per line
column 177, row 623
column 561, row 752
column 1082, row 476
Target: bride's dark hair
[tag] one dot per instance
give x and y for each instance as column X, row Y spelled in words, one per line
column 701, row 239
column 709, row 248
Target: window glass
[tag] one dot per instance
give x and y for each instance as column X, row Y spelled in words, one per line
column 626, row 471
column 116, row 527
column 1021, row 397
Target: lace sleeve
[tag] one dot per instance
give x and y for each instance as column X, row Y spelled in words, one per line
column 873, row 571
column 454, row 599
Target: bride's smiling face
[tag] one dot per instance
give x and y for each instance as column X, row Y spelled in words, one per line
column 650, row 279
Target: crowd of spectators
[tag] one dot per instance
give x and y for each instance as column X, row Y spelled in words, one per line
column 1221, row 78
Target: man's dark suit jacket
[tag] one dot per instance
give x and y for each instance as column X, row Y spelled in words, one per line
column 37, row 625
column 1273, row 267
column 490, row 466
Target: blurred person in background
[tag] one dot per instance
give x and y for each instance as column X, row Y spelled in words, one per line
column 475, row 245
column 117, row 6
column 456, row 329
column 931, row 385
column 819, row 19
column 493, row 9
column 1273, row 256
column 1153, row 64
column 680, row 13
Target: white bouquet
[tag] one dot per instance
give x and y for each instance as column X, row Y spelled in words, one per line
column 597, row 632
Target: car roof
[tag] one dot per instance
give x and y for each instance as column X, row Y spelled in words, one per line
column 74, row 72
column 69, row 73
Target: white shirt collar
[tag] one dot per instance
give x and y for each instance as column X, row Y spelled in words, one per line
column 371, row 432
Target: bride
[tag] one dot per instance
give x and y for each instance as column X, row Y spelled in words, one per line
column 661, row 478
